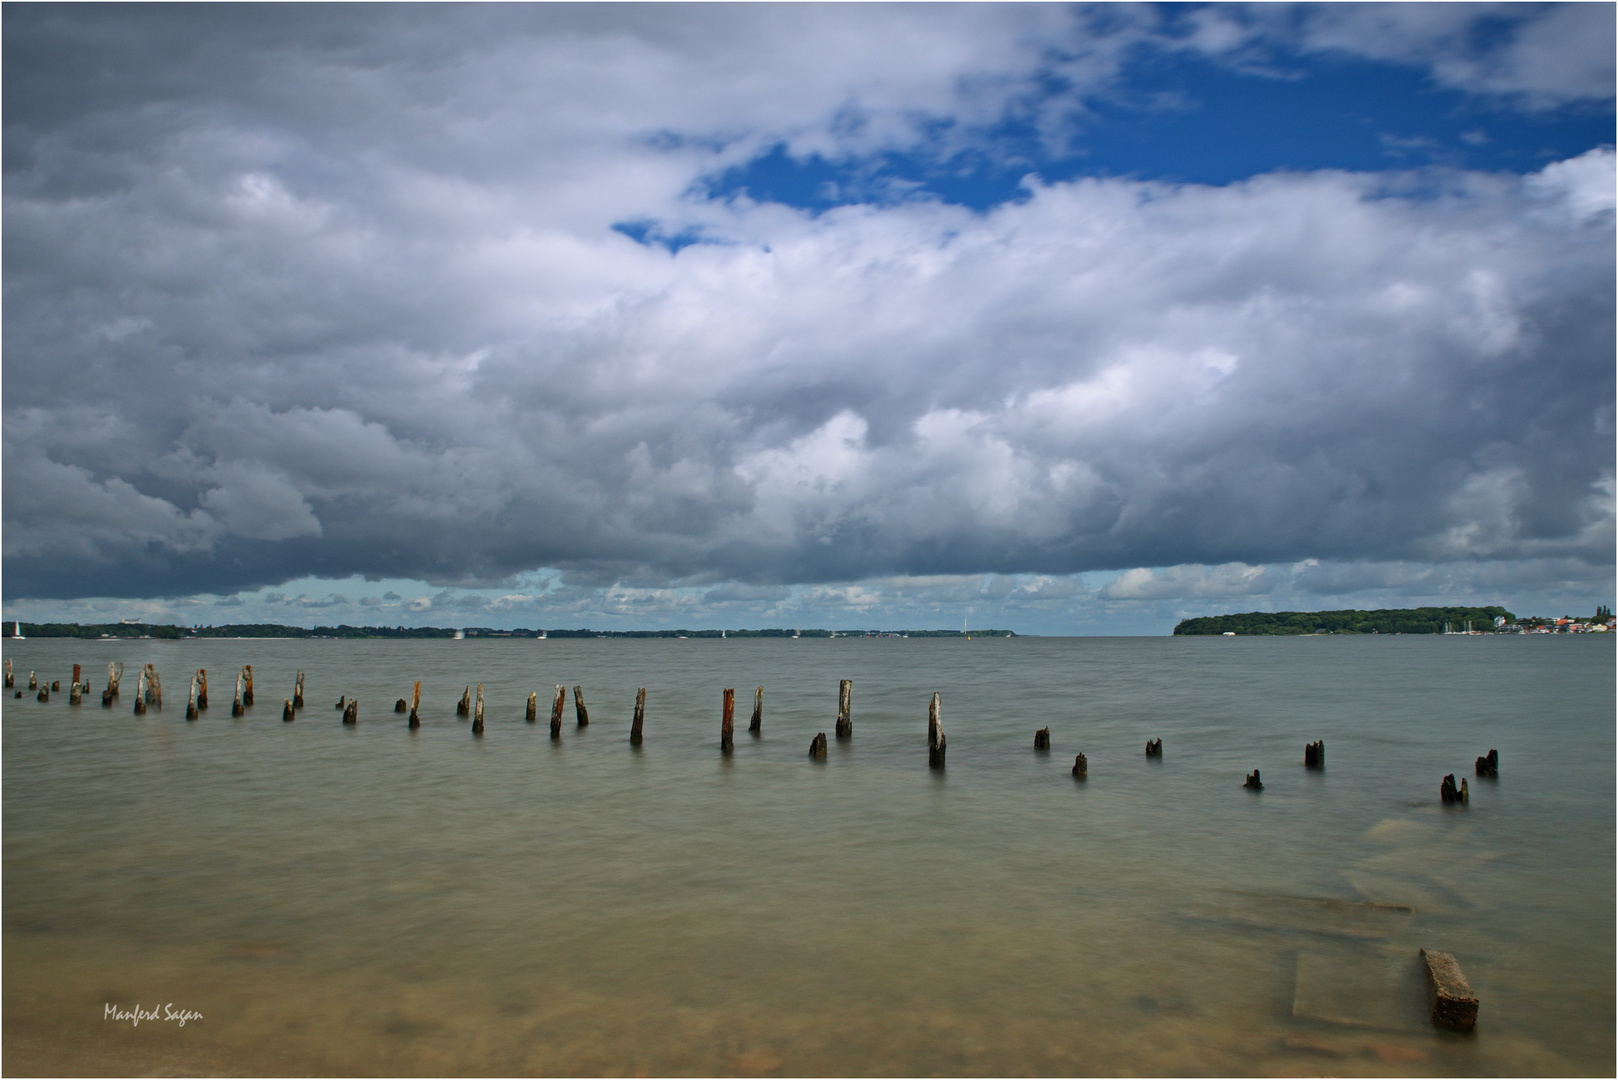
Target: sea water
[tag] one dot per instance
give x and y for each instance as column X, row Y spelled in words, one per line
column 375, row 899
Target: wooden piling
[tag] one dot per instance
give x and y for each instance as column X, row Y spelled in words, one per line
column 202, row 691
column 1154, row 748
column 140, row 695
column 755, row 726
column 11, row 678
column 351, row 714
column 56, row 686
column 44, row 692
column 76, row 673
column 1449, row 793
column 297, row 691
column 477, row 713
column 288, row 713
column 845, row 719
column 191, row 700
column 727, row 722
column 1314, row 755
column 1489, row 764
column 75, row 695
column 342, row 702
column 401, row 706
column 415, row 702
column 1454, row 1005
column 115, row 675
column 1253, row 781
column 247, row 684
column 935, row 734
column 558, row 703
column 464, row 706
column 1042, row 739
column 236, row 705
column 580, row 713
column 817, row 747
column 154, row 687
column 639, row 721
column 33, row 681
column 532, row 714
column 1081, row 767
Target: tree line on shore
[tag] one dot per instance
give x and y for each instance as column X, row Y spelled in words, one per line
column 1425, row 620
column 276, row 630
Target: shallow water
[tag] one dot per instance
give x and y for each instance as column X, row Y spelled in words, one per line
column 374, row 900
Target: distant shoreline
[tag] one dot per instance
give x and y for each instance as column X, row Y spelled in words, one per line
column 257, row 631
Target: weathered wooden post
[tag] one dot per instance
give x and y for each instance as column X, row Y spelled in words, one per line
column 464, row 706
column 115, row 675
column 1314, row 755
column 1154, row 748
column 202, row 690
column 75, row 696
column 639, row 721
column 1454, row 1004
column 1042, row 739
column 532, row 714
column 755, row 726
column 140, row 695
column 558, row 703
column 1449, row 793
column 935, row 735
column 579, row 711
column 477, row 713
column 1081, row 767
column 342, row 702
column 288, row 713
column 247, row 684
column 76, row 673
column 1253, row 781
column 401, row 705
column 191, row 700
column 351, row 715
column 236, row 706
column 415, row 702
column 1489, row 764
column 845, row 697
column 154, row 687
column 56, row 685
column 297, row 692
column 727, row 722
column 44, row 692
column 33, row 681
column 11, row 679
column 817, row 747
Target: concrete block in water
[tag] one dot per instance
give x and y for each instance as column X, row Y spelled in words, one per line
column 1454, row 1003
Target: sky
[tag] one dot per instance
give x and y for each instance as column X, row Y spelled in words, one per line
column 1061, row 319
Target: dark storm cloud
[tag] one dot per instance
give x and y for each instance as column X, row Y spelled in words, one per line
column 331, row 291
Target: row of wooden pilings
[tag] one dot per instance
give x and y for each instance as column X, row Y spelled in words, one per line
column 149, row 693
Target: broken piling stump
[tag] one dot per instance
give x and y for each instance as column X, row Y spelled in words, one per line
column 401, row 705
column 1489, row 764
column 1253, row 782
column 580, row 713
column 1081, row 767
column 77, row 674
column 140, row 695
column 533, row 708
column 297, row 691
column 191, row 700
column 845, row 708
column 115, row 674
column 247, row 684
column 44, row 692
column 288, row 713
column 477, row 713
column 75, row 695
column 1314, row 755
column 755, row 726
column 202, row 690
column 342, row 702
column 33, row 681
column 1154, row 748
column 11, row 679
column 727, row 722
column 817, row 747
column 154, row 687
column 1042, row 739
column 1454, row 1003
column 464, row 706
column 1449, row 793
column 640, row 717
column 935, row 735
column 236, row 705
column 415, row 701
column 351, row 715
column 558, row 703
column 56, row 686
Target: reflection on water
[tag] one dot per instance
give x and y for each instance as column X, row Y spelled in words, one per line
column 370, row 899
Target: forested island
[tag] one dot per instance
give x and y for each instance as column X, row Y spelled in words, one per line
column 276, row 630
column 1426, row 620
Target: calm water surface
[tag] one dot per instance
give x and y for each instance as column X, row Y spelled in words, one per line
column 375, row 900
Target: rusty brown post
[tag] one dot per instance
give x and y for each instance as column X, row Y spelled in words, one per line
column 580, row 713
column 247, row 684
column 533, row 708
column 727, row 723
column 558, row 703
column 755, row 726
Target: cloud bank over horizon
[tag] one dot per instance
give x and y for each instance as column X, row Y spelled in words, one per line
column 489, row 309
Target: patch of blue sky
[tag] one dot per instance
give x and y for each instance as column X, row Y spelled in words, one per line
column 649, row 232
column 1179, row 118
